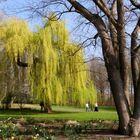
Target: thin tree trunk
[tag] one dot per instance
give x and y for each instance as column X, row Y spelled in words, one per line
column 123, row 57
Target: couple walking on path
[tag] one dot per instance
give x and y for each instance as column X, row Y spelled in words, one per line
column 90, row 107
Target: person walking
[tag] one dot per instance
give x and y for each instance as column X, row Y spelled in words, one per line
column 87, row 107
column 96, row 108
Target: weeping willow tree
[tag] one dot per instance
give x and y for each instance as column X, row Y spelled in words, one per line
column 14, row 37
column 59, row 75
column 56, row 70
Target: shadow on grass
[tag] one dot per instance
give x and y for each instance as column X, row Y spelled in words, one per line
column 24, row 111
column 28, row 111
column 107, row 108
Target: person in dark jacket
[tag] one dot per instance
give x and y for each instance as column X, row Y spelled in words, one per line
column 96, row 109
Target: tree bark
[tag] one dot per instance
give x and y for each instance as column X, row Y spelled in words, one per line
column 135, row 55
column 135, row 64
column 123, row 56
column 135, row 123
column 116, row 84
column 119, row 99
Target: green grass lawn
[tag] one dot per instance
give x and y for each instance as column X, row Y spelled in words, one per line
column 61, row 113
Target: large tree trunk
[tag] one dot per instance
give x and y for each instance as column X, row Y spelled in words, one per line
column 135, row 64
column 135, row 121
column 111, row 62
column 9, row 77
column 119, row 99
column 118, row 74
column 117, row 89
column 115, row 78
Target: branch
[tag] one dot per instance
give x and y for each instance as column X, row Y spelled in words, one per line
column 106, row 10
column 135, row 3
column 113, row 31
column 93, row 18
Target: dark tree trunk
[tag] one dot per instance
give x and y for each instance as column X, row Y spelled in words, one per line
column 135, row 121
column 119, row 99
column 135, row 64
column 115, row 77
column 116, row 59
column 123, row 57
column 116, row 85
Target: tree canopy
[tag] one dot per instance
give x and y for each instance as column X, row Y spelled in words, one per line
column 56, row 70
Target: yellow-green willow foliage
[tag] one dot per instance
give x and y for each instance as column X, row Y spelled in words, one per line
column 14, row 34
column 57, row 72
column 59, row 75
column 15, row 39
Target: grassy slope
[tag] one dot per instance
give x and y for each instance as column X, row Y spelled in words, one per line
column 62, row 113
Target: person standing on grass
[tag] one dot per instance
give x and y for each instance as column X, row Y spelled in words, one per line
column 87, row 107
column 96, row 108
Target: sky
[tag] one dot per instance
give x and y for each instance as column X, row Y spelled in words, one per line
column 12, row 8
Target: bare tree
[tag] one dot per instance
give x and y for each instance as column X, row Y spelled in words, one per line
column 110, row 18
column 99, row 76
